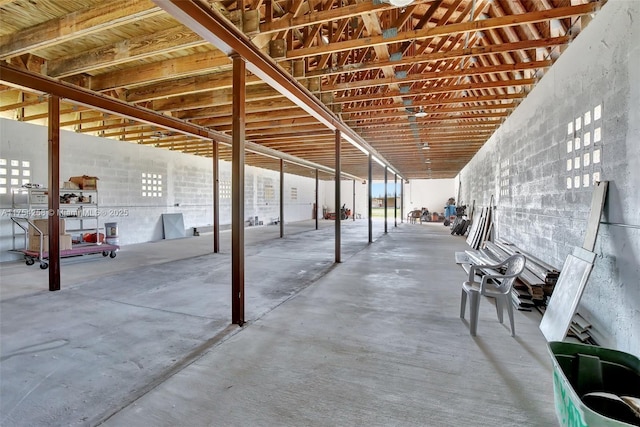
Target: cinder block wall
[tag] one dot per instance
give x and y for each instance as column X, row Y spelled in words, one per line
column 185, row 181
column 541, row 176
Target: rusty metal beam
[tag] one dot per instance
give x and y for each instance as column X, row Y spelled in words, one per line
column 395, row 199
column 237, row 193
column 54, row 193
column 337, row 198
column 281, row 198
column 46, row 85
column 385, row 199
column 216, row 197
column 212, row 26
column 370, row 200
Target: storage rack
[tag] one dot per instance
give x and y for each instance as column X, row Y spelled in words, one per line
column 79, row 210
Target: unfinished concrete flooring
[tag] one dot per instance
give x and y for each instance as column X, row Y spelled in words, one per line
column 373, row 341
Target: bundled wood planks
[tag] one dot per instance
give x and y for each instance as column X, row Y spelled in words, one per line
column 480, row 230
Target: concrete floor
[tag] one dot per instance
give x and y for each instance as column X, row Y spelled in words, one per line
column 144, row 339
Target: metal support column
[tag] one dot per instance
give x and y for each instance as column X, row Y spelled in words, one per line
column 317, row 197
column 385, row 199
column 401, row 201
column 369, row 199
column 395, row 199
column 281, row 198
column 237, row 196
column 54, row 193
column 216, row 198
column 353, row 208
column 337, row 200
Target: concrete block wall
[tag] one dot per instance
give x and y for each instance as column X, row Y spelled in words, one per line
column 582, row 121
column 183, row 183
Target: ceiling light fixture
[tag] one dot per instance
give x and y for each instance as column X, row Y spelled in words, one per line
column 400, row 3
column 421, row 113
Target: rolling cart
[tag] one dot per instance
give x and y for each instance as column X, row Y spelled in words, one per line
column 42, row 256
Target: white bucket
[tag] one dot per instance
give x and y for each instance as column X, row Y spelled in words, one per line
column 111, row 233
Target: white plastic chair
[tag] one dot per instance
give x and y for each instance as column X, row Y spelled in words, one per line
column 498, row 288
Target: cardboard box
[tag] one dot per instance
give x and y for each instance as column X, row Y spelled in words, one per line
column 34, row 242
column 85, row 182
column 68, row 185
column 43, row 225
column 39, row 197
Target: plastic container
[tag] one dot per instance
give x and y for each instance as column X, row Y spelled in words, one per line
column 111, row 231
column 597, row 375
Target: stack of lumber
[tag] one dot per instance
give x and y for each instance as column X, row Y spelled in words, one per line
column 528, row 288
column 543, row 271
column 580, row 328
column 536, row 281
column 520, row 297
column 480, row 230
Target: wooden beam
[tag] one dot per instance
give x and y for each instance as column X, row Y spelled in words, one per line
column 447, row 30
column 87, row 21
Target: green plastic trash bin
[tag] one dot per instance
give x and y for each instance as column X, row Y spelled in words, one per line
column 592, row 385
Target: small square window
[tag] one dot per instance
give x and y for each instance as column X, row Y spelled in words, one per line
column 569, row 146
column 569, row 164
column 144, row 187
column 3, row 171
column 585, row 180
column 596, row 177
column 587, row 118
column 26, row 163
column 3, row 190
column 576, row 163
column 586, row 161
column 25, row 181
column 14, row 181
column 3, row 181
column 15, row 172
column 597, row 112
column 15, row 163
column 144, row 194
column 586, row 139
column 3, row 162
column 576, row 143
column 569, row 183
column 597, row 135
column 576, row 181
column 596, row 156
column 144, row 175
column 579, row 123
column 570, row 128
column 26, row 172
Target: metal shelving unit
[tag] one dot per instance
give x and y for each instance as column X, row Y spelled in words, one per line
column 78, row 207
